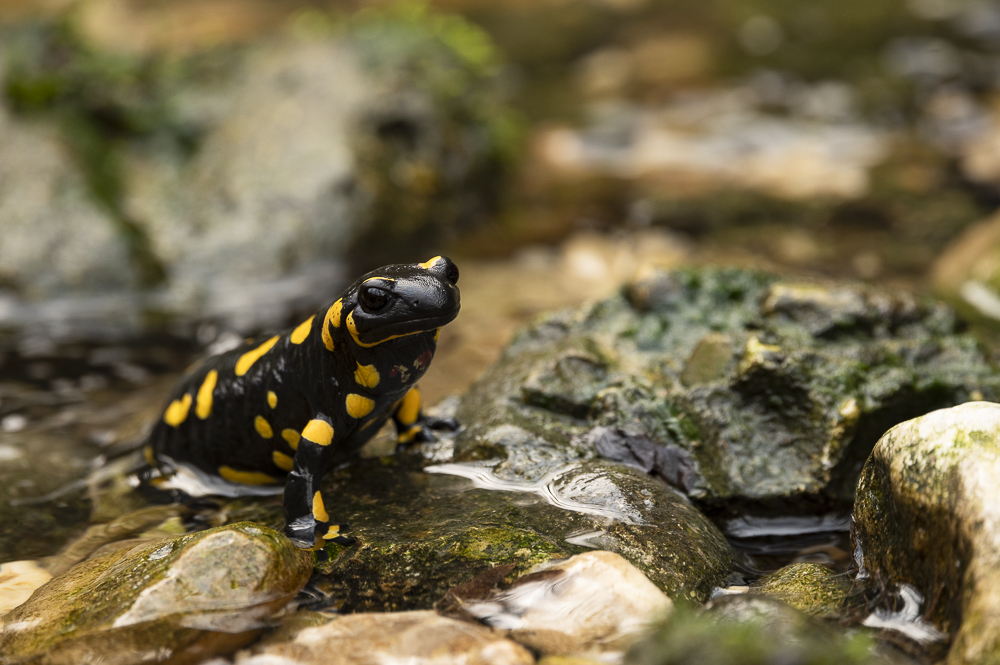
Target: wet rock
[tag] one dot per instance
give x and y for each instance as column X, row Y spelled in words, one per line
column 593, row 602
column 182, row 599
column 420, row 638
column 927, row 518
column 808, row 587
column 18, row 580
column 815, row 374
column 750, row 630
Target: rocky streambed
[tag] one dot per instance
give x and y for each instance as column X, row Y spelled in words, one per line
column 606, row 500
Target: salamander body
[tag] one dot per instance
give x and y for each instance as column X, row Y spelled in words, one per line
column 288, row 408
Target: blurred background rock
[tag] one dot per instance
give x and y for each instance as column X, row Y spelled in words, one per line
column 197, row 168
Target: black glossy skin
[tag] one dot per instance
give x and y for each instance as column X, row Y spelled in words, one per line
column 311, row 382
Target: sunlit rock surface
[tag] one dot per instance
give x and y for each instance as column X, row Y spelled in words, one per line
column 592, row 602
column 751, row 630
column 182, row 599
column 808, row 587
column 415, row 638
column 928, row 515
column 762, row 394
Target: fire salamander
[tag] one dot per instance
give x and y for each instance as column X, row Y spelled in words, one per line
column 291, row 407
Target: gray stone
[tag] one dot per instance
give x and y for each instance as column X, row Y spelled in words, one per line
column 927, row 520
column 765, row 395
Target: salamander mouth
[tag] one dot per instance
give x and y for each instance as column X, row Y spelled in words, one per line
column 407, row 327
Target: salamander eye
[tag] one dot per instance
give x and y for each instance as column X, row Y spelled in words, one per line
column 374, row 299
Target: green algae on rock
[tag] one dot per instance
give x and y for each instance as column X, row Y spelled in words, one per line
column 750, row 630
column 927, row 515
column 178, row 600
column 777, row 390
column 808, row 587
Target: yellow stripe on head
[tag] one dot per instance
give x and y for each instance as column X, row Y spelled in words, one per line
column 427, row 265
column 203, row 403
column 319, row 432
column 332, row 318
column 351, row 328
column 250, row 357
column 302, row 331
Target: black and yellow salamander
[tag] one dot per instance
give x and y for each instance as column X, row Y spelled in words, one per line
column 291, row 407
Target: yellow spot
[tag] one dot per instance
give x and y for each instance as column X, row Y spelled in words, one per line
column 292, row 437
column 354, row 333
column 319, row 432
column 429, row 263
column 149, row 455
column 203, row 403
column 250, row 357
column 302, row 331
column 177, row 412
column 263, row 427
column 333, row 532
column 246, row 477
column 367, row 375
column 437, row 333
column 272, row 399
column 332, row 318
column 358, row 406
column 282, row 461
column 409, row 434
column 409, row 410
column 319, row 510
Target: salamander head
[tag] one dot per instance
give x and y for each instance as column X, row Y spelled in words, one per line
column 402, row 299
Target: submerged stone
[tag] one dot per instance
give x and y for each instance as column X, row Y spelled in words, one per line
column 927, row 520
column 750, row 630
column 415, row 638
column 765, row 395
column 808, row 587
column 177, row 600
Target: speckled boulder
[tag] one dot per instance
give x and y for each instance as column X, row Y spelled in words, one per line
column 808, row 587
column 179, row 600
column 746, row 391
column 928, row 515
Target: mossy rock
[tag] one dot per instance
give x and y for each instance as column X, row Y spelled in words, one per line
column 808, row 587
column 186, row 598
column 775, row 391
column 926, row 515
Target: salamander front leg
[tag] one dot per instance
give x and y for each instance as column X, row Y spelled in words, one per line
column 306, row 521
column 412, row 425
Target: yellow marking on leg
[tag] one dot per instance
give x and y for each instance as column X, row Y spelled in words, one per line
column 332, row 318
column 333, row 532
column 149, row 455
column 319, row 510
column 302, row 331
column 292, row 437
column 409, row 410
column 429, row 263
column 367, row 375
column 263, row 427
column 177, row 412
column 282, row 461
column 354, row 334
column 359, row 406
column 409, row 435
column 319, row 432
column 203, row 403
column 272, row 399
column 250, row 357
column 246, row 477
